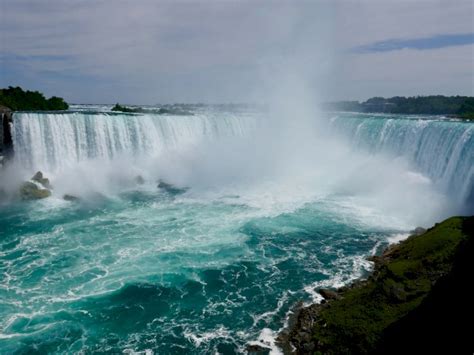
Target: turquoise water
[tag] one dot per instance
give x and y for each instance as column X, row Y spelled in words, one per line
column 152, row 270
column 204, row 268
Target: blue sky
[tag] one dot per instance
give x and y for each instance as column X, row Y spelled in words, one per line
column 148, row 52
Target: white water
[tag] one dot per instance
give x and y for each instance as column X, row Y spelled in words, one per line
column 392, row 172
column 54, row 141
column 245, row 172
column 441, row 149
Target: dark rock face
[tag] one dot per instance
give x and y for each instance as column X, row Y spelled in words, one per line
column 6, row 141
column 71, row 198
column 254, row 349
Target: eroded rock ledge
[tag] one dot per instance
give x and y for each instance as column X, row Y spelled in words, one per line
column 417, row 300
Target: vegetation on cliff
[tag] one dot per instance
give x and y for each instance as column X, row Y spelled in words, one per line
column 19, row 100
column 415, row 300
column 462, row 106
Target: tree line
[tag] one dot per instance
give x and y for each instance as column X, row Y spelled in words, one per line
column 17, row 99
column 461, row 106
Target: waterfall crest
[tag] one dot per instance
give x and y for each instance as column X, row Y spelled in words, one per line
column 441, row 149
column 52, row 141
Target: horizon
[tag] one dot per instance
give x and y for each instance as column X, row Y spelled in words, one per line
column 242, row 102
column 257, row 103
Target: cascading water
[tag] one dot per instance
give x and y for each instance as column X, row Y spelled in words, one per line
column 53, row 141
column 441, row 149
column 208, row 268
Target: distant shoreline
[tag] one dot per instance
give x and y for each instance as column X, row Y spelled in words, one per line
column 457, row 106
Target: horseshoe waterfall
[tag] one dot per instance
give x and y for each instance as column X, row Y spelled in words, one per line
column 198, row 232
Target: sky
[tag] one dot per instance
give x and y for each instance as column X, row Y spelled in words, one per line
column 149, row 52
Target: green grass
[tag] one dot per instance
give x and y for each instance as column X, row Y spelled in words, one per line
column 403, row 277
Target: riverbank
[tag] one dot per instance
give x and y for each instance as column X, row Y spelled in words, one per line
column 416, row 300
column 458, row 106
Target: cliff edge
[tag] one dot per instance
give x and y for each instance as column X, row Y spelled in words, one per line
column 417, row 300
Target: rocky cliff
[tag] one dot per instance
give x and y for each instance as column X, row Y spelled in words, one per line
column 6, row 144
column 417, row 300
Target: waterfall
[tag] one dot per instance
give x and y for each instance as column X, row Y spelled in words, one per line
column 441, row 149
column 52, row 141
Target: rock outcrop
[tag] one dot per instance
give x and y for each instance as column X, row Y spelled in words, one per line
column 39, row 178
column 328, row 294
column 37, row 188
column 6, row 142
column 31, row 191
column 71, row 198
column 255, row 349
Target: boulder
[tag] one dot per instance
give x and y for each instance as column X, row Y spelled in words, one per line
column 31, row 191
column 170, row 188
column 256, row 349
column 328, row 294
column 39, row 178
column 6, row 141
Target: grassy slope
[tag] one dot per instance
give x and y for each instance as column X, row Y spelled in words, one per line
column 365, row 317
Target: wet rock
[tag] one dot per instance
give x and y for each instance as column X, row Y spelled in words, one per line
column 71, row 198
column 256, row 349
column 39, row 178
column 6, row 141
column 170, row 188
column 31, row 191
column 328, row 294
